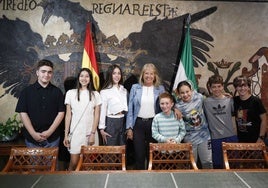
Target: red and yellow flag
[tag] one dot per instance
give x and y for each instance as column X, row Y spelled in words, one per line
column 89, row 57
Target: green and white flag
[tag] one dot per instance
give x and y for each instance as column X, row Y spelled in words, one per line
column 186, row 69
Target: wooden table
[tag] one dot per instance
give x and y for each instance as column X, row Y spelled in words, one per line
column 5, row 147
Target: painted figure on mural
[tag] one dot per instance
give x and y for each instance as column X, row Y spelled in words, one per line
column 250, row 113
column 82, row 116
column 41, row 109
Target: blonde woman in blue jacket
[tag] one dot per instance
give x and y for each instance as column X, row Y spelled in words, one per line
column 141, row 111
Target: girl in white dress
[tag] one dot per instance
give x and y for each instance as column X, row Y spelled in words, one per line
column 82, row 116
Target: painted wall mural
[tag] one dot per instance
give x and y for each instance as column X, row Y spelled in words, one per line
column 228, row 38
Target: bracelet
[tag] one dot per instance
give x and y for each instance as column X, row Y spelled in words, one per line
column 92, row 132
column 262, row 137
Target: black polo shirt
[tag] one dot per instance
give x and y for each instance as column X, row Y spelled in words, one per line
column 42, row 106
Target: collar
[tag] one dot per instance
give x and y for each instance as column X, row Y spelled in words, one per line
column 38, row 86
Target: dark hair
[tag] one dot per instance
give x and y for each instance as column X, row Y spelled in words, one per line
column 109, row 76
column 215, row 79
column 184, row 83
column 90, row 86
column 44, row 62
column 70, row 83
column 241, row 79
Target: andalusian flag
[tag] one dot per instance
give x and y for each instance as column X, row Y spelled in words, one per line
column 186, row 69
column 89, row 58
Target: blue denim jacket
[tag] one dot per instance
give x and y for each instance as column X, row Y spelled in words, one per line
column 135, row 103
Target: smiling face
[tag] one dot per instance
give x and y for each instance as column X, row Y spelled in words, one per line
column 216, row 90
column 116, row 76
column 44, row 75
column 166, row 105
column 84, row 79
column 148, row 77
column 243, row 90
column 185, row 93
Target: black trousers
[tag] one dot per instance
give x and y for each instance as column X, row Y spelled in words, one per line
column 142, row 136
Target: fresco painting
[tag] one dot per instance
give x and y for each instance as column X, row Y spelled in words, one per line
column 228, row 38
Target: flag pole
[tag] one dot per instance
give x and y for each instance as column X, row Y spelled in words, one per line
column 185, row 23
column 185, row 69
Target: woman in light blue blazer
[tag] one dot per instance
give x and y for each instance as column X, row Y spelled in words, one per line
column 141, row 111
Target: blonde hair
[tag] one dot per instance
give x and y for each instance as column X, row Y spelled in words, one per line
column 157, row 80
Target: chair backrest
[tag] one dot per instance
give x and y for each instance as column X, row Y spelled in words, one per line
column 102, row 158
column 31, row 160
column 244, row 155
column 164, row 156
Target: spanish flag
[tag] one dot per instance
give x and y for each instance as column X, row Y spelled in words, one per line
column 89, row 57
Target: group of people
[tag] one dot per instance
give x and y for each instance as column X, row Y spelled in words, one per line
column 146, row 114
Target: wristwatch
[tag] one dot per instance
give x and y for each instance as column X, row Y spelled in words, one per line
column 262, row 137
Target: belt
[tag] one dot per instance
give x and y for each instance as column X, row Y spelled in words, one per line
column 145, row 119
column 119, row 113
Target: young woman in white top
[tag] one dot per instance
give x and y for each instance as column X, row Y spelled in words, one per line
column 113, row 108
column 82, row 116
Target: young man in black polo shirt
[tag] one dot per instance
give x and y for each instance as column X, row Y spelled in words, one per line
column 41, row 108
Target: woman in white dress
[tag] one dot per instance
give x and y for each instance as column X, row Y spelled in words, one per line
column 82, row 116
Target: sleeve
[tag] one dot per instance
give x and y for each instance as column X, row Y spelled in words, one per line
column 155, row 131
column 97, row 98
column 61, row 105
column 260, row 107
column 130, row 114
column 232, row 106
column 182, row 131
column 21, row 105
column 103, row 112
column 68, row 98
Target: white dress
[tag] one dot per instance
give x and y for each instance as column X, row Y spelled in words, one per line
column 82, row 120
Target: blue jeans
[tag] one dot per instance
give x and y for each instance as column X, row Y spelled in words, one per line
column 217, row 155
column 44, row 144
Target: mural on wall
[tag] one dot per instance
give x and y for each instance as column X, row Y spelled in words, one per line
column 25, row 40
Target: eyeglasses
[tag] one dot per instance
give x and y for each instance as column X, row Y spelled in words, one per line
column 243, row 85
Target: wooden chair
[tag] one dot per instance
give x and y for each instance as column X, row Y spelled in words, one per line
column 244, row 155
column 31, row 160
column 102, row 158
column 164, row 156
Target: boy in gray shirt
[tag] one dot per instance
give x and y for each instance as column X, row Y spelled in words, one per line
column 219, row 109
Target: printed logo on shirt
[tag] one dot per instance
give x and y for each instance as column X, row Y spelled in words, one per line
column 219, row 110
column 241, row 119
column 193, row 118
